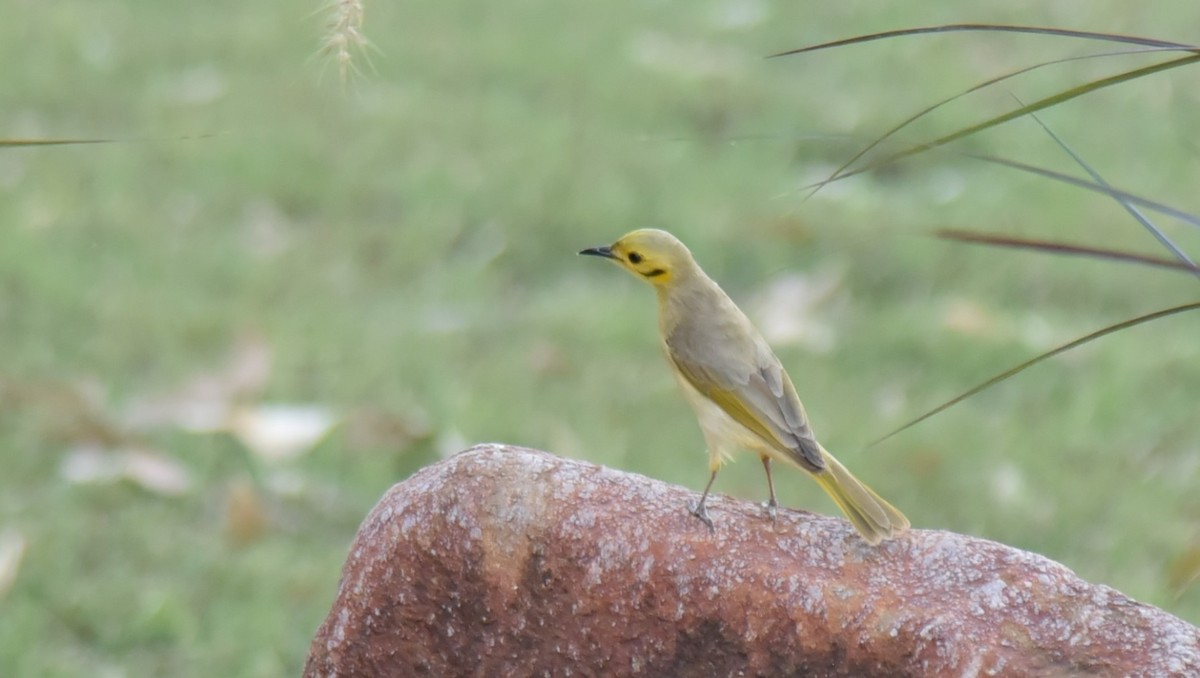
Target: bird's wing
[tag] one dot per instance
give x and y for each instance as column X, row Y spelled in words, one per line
column 755, row 391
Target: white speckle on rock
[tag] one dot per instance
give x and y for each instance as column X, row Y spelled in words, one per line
column 646, row 568
column 843, row 592
column 339, row 630
column 813, row 599
column 926, row 631
column 972, row 669
column 595, row 571
column 991, row 594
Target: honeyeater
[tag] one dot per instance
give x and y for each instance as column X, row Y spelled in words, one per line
column 732, row 379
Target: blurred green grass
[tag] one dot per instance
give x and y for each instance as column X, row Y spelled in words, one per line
column 407, row 243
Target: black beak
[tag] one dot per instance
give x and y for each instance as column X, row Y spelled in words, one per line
column 605, row 252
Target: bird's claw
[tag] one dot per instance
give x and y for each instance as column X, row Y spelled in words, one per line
column 701, row 512
column 772, row 509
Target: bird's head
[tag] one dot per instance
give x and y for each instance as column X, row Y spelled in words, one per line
column 650, row 254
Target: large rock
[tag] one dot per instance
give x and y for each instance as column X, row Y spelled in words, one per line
column 510, row 562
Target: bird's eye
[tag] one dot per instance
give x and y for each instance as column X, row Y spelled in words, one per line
column 635, row 258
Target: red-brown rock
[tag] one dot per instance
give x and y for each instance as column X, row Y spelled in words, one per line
column 509, row 562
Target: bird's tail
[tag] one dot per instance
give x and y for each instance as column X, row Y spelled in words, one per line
column 874, row 518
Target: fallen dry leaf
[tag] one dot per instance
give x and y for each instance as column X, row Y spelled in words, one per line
column 732, row 14
column 788, row 310
column 375, row 428
column 684, row 58
column 90, row 464
column 1008, row 486
column 148, row 469
column 197, row 86
column 157, row 473
column 1184, row 571
column 449, row 443
column 73, row 411
column 12, row 550
column 890, row 401
column 546, row 358
column 245, row 515
column 206, row 401
column 276, row 432
column 267, row 230
column 968, row 317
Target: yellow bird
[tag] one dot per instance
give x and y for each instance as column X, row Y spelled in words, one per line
column 741, row 394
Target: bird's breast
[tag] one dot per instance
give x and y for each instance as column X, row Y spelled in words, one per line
column 722, row 433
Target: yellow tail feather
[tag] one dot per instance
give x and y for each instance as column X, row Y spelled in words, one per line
column 874, row 518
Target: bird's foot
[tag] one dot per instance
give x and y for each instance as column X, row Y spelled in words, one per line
column 772, row 509
column 701, row 512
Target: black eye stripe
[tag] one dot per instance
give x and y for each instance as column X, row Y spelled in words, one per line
column 635, row 258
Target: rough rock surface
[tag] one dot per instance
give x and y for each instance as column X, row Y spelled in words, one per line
column 504, row 561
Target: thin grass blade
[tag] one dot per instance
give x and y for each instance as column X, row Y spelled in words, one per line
column 25, row 143
column 1125, row 324
column 975, row 88
column 1131, row 209
column 17, row 143
column 1115, row 193
column 1047, row 102
column 991, row 28
column 1056, row 247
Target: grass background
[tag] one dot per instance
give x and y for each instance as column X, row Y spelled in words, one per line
column 420, row 229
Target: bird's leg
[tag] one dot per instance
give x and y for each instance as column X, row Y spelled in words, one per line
column 698, row 510
column 772, row 505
